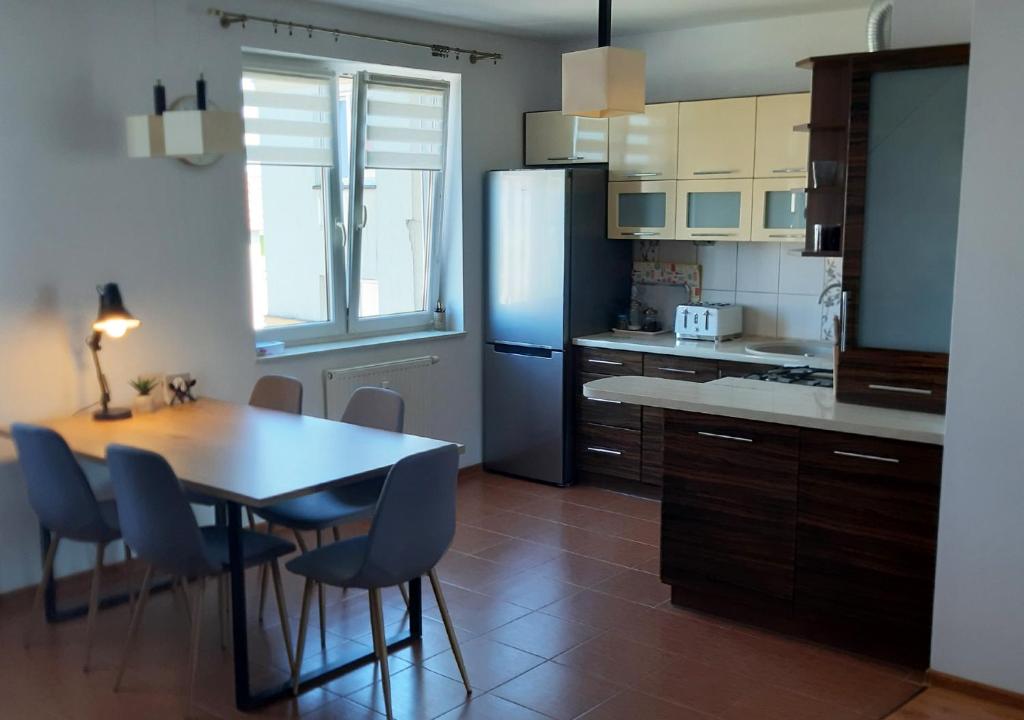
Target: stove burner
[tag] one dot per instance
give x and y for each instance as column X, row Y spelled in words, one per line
column 802, row 375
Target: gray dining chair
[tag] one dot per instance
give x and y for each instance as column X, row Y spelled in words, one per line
column 61, row 496
column 372, row 407
column 413, row 525
column 159, row 525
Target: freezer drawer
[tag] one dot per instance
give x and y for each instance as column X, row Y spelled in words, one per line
column 524, row 406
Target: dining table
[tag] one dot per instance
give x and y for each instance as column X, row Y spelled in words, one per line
column 252, row 457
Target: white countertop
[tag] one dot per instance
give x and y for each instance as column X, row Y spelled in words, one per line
column 798, row 405
column 735, row 350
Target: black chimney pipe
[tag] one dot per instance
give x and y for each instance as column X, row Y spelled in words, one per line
column 604, row 23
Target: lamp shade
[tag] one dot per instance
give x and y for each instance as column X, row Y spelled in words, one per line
column 113, row 318
column 603, row 82
column 190, row 133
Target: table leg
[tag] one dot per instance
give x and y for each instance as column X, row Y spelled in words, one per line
column 240, row 645
column 50, row 592
column 416, row 608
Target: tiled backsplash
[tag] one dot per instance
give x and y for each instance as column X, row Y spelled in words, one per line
column 777, row 287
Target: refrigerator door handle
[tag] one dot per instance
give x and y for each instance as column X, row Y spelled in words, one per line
column 523, row 349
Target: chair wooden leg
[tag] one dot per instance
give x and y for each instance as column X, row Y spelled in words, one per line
column 133, row 626
column 300, row 648
column 94, row 600
column 301, row 541
column 178, row 587
column 442, row 605
column 37, row 600
column 380, row 646
column 282, row 611
column 320, row 597
column 193, row 652
column 128, row 567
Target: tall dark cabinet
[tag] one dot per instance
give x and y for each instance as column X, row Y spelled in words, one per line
column 893, row 122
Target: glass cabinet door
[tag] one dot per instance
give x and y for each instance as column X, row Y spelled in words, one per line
column 642, row 209
column 713, row 210
column 778, row 214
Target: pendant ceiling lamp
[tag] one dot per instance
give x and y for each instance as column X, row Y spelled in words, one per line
column 604, row 81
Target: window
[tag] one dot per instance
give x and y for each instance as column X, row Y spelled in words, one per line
column 345, row 175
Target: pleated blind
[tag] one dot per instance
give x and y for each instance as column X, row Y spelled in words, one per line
column 405, row 124
column 287, row 119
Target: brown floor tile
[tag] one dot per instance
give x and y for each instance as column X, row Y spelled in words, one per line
column 543, row 635
column 470, row 572
column 488, row 663
column 519, row 554
column 529, row 590
column 491, row 707
column 637, row 706
column 470, row 540
column 597, row 520
column 578, row 570
column 416, row 694
column 557, row 691
column 342, row 709
column 475, row 612
column 636, row 586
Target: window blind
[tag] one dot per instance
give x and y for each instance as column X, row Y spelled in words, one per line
column 405, row 124
column 287, row 119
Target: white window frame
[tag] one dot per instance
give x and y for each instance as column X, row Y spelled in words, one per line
column 344, row 248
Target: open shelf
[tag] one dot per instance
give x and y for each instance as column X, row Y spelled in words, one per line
column 808, row 127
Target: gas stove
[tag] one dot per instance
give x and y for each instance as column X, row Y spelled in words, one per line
column 802, row 375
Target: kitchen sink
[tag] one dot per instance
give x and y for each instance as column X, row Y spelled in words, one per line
column 790, row 348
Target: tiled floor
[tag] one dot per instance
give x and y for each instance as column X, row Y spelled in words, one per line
column 560, row 613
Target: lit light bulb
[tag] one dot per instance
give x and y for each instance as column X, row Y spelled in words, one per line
column 116, row 327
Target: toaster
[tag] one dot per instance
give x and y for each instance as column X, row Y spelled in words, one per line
column 709, row 321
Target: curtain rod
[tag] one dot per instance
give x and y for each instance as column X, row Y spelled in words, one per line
column 228, row 18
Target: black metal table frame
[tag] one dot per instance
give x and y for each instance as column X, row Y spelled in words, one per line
column 245, row 698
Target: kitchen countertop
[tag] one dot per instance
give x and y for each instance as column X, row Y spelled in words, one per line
column 734, row 350
column 799, row 405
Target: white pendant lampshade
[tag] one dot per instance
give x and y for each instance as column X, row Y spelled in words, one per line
column 604, row 81
column 202, row 132
column 145, row 135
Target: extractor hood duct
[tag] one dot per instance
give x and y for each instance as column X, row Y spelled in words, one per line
column 880, row 25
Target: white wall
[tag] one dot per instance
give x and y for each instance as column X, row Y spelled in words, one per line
column 979, row 599
column 919, row 23
column 77, row 211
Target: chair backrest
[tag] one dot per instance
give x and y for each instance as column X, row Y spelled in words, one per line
column 58, row 490
column 277, row 392
column 415, row 518
column 156, row 519
column 376, row 407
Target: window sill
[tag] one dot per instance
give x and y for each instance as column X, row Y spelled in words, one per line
column 362, row 342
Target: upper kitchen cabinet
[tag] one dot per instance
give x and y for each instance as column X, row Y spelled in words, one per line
column 778, row 214
column 552, row 138
column 779, row 150
column 901, row 195
column 643, row 147
column 645, row 209
column 716, row 139
column 713, row 210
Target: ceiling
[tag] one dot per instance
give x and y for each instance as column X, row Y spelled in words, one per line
column 578, row 18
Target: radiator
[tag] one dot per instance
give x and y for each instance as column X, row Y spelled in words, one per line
column 410, row 377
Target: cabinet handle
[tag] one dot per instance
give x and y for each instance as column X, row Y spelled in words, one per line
column 896, row 388
column 737, row 438
column 790, row 170
column 643, row 174
column 603, row 451
column 786, row 235
column 602, row 400
column 567, row 157
column 715, row 172
column 603, row 362
column 861, row 456
column 640, row 234
column 713, row 234
column 681, row 371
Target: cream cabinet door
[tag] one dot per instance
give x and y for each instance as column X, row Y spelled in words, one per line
column 716, row 138
column 643, row 147
column 642, row 209
column 552, row 138
column 779, row 210
column 713, row 209
column 778, row 149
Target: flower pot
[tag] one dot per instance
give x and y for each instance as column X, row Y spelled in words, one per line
column 143, row 404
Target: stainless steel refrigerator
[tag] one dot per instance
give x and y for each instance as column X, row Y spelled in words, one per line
column 552, row 275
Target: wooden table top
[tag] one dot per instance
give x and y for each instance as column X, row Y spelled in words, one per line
column 249, row 455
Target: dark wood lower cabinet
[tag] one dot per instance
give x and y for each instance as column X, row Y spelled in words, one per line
column 825, row 535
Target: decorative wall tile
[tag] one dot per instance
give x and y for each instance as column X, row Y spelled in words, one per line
column 830, row 301
column 668, row 273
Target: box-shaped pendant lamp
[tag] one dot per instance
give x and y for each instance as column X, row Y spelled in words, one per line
column 603, row 82
column 202, row 132
column 145, row 136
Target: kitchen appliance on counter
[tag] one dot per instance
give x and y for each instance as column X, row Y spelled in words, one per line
column 552, row 275
column 802, row 375
column 709, row 321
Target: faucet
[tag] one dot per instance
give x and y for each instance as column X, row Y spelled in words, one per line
column 830, row 286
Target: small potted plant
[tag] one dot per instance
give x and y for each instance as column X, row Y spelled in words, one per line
column 145, row 401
